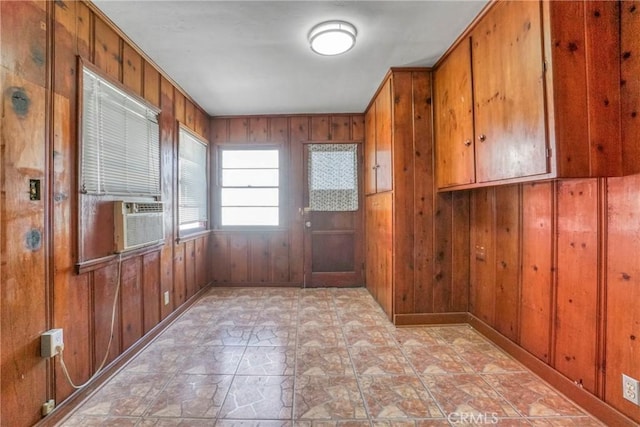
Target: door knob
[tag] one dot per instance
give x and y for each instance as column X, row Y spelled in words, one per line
column 307, row 224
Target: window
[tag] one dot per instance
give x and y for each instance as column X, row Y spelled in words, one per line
column 333, row 177
column 120, row 141
column 249, row 187
column 192, row 183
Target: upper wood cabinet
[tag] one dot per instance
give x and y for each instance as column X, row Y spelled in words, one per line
column 522, row 96
column 378, row 168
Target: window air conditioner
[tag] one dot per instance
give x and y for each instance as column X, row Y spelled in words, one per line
column 137, row 224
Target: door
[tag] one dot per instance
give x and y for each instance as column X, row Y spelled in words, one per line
column 333, row 215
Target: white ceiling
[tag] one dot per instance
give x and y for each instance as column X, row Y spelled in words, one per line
column 252, row 57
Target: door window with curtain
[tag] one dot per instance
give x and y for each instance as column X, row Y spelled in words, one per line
column 333, row 177
column 193, row 205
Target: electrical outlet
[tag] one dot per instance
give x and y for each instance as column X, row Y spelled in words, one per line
column 50, row 341
column 631, row 389
column 48, row 407
column 166, row 298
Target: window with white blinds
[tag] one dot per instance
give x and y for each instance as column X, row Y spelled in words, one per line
column 192, row 185
column 120, row 141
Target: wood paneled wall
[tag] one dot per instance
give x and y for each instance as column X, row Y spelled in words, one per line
column 41, row 289
column 560, row 277
column 274, row 257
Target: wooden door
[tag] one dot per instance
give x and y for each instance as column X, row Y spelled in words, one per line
column 508, row 92
column 333, row 220
column 454, row 119
column 370, row 150
column 383, row 124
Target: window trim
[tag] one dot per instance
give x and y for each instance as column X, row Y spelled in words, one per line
column 182, row 234
column 218, row 187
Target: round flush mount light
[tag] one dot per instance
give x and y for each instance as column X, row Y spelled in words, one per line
column 332, row 37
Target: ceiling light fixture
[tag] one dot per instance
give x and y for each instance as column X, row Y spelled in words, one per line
column 332, row 37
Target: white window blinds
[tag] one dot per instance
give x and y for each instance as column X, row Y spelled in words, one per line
column 192, row 188
column 120, row 141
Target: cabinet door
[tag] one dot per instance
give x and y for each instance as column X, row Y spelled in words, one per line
column 370, row 150
column 508, row 89
column 383, row 138
column 454, row 119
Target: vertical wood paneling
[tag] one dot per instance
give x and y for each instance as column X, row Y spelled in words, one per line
column 298, row 131
column 189, row 114
column 238, row 130
column 537, row 264
column 239, row 257
column 507, row 244
column 151, row 290
column 220, row 259
column 604, row 85
column 403, row 194
column 258, row 129
column 179, row 276
column 218, row 130
column 630, row 84
column 370, row 151
column 84, row 31
column 439, row 293
column 190, row 268
column 460, row 257
column 151, row 84
column 179, row 107
column 260, row 258
column 482, row 303
column 320, row 128
column 132, row 69
column 66, row 48
column 202, row 262
column 357, row 127
column 107, row 50
column 577, row 281
column 423, row 193
column 623, row 289
column 131, row 301
column 23, row 241
column 340, row 128
column 105, row 283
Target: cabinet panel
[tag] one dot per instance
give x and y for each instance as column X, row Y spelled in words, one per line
column 508, row 89
column 383, row 119
column 454, row 119
column 370, row 151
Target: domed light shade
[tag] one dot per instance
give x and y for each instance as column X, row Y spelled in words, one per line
column 332, row 37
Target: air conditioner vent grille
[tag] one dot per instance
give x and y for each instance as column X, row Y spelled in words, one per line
column 137, row 224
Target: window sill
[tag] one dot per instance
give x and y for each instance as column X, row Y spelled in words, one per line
column 192, row 236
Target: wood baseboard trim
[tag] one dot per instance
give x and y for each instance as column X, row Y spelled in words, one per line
column 587, row 401
column 78, row 397
column 418, row 319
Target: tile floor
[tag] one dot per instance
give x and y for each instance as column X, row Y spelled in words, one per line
column 319, row 357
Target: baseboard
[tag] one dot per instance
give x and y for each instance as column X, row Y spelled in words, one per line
column 75, row 399
column 417, row 319
column 587, row 401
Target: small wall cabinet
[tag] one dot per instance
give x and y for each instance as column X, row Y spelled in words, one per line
column 523, row 96
column 378, row 168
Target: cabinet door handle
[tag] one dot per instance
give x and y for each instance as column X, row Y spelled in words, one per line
column 467, row 142
column 482, row 137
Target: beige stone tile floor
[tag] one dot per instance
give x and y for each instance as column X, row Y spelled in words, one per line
column 318, row 358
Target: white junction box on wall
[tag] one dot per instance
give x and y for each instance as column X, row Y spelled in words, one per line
column 50, row 341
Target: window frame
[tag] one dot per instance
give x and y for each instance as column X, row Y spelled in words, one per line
column 218, row 186
column 193, row 231
column 82, row 65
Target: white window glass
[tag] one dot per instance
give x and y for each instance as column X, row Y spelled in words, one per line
column 120, row 141
column 249, row 193
column 192, row 185
column 333, row 177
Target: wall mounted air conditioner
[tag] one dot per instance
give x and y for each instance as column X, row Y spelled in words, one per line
column 137, row 224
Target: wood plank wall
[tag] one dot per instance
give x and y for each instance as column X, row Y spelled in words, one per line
column 276, row 257
column 560, row 276
column 40, row 42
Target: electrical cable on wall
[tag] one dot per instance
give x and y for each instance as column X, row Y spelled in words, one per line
column 106, row 356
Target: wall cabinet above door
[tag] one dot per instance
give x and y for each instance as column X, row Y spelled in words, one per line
column 522, row 98
column 378, row 119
